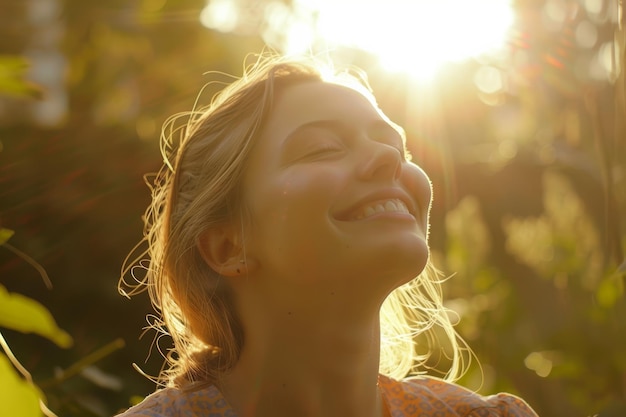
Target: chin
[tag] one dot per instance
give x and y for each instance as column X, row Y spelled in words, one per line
column 405, row 263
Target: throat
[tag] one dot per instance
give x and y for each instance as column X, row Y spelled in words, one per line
column 329, row 375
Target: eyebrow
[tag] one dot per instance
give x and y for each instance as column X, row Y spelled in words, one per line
column 340, row 127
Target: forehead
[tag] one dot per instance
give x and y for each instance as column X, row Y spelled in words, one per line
column 303, row 103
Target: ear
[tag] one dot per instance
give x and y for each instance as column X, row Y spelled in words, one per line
column 222, row 249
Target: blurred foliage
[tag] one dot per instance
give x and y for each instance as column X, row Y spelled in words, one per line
column 26, row 315
column 530, row 189
column 12, row 77
column 20, row 396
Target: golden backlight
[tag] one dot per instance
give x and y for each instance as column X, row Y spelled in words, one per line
column 411, row 36
column 414, row 36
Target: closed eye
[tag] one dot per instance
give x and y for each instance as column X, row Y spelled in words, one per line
column 321, row 150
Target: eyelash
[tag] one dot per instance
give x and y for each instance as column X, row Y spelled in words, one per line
column 327, row 147
column 323, row 149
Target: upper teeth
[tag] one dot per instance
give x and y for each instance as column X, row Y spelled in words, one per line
column 394, row 205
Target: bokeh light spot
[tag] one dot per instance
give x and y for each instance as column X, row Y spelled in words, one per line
column 593, row 7
column 608, row 57
column 488, row 79
column 540, row 363
column 220, row 15
column 586, row 34
column 555, row 11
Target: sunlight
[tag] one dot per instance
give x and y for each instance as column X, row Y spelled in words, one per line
column 415, row 37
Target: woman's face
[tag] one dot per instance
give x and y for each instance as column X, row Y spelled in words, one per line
column 331, row 195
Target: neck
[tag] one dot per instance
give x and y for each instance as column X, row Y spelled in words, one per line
column 296, row 362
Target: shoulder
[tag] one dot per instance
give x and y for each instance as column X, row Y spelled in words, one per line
column 415, row 395
column 174, row 402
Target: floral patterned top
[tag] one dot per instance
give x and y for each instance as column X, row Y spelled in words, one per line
column 413, row 397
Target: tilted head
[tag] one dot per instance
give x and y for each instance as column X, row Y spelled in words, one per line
column 200, row 187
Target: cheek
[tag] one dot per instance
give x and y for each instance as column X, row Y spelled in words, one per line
column 418, row 185
column 302, row 193
column 290, row 200
column 290, row 220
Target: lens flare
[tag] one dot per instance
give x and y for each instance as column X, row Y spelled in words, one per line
column 414, row 37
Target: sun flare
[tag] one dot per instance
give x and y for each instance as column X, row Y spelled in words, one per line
column 415, row 37
column 410, row 36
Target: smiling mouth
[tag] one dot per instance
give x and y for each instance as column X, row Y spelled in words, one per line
column 382, row 206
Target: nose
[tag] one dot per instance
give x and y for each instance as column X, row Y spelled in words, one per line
column 380, row 161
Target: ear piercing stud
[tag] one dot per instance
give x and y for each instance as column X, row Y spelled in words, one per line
column 242, row 262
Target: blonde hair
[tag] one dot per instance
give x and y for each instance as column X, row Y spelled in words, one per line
column 198, row 187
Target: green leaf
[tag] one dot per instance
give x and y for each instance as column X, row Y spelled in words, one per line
column 5, row 235
column 17, row 396
column 26, row 315
column 12, row 78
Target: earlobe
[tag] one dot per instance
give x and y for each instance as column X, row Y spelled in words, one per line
column 222, row 250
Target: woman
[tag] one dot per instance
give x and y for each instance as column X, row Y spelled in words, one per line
column 290, row 214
